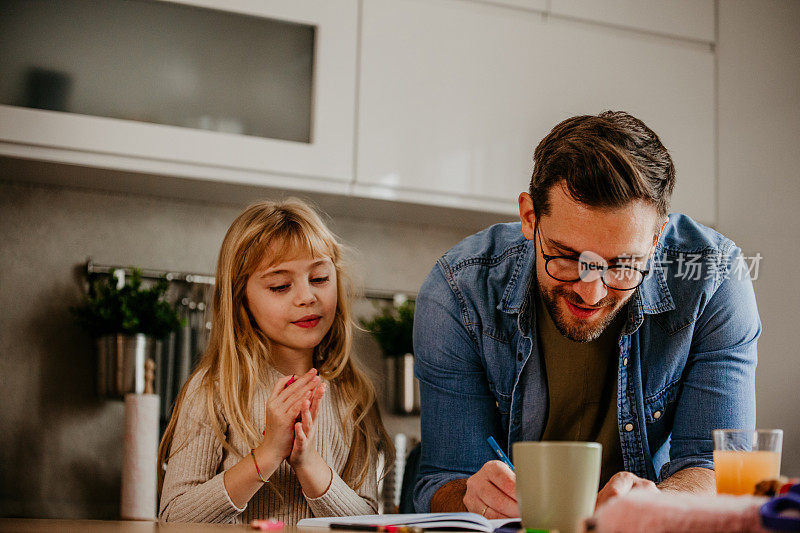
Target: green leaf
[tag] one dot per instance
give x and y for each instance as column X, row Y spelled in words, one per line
column 393, row 329
column 130, row 309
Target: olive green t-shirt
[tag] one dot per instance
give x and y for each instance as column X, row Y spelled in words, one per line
column 582, row 387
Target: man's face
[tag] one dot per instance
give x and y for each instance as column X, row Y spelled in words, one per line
column 583, row 309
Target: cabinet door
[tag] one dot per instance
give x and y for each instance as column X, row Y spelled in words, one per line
column 447, row 99
column 666, row 83
column 454, row 97
column 200, row 88
column 535, row 5
column 689, row 19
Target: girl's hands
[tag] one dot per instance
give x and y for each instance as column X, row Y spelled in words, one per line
column 303, row 451
column 284, row 405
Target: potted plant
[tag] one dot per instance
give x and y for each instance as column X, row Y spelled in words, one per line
column 393, row 329
column 126, row 320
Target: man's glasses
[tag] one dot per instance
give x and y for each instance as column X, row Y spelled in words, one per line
column 569, row 269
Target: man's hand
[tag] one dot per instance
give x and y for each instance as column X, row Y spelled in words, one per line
column 491, row 491
column 622, row 483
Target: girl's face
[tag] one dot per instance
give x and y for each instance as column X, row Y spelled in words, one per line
column 294, row 303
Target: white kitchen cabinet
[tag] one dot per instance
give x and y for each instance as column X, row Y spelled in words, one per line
column 428, row 102
column 688, row 19
column 454, row 96
column 535, row 5
column 114, row 127
column 668, row 84
column 445, row 99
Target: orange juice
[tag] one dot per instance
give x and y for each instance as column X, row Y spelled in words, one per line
column 737, row 472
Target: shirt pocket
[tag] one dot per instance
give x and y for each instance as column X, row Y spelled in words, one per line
column 499, row 364
column 659, row 413
column 661, row 403
column 503, row 402
column 498, row 361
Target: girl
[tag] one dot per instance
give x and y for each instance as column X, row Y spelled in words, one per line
column 278, row 364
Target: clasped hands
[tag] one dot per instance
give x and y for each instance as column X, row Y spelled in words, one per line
column 291, row 419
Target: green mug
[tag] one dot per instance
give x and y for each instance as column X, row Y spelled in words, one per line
column 557, row 483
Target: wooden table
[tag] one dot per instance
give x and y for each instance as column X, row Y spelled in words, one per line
column 19, row 525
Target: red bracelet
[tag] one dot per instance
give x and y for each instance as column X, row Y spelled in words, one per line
column 258, row 470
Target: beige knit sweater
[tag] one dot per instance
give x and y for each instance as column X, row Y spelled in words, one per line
column 194, row 489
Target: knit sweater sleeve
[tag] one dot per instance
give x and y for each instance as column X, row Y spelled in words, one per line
column 342, row 500
column 194, row 486
column 334, row 439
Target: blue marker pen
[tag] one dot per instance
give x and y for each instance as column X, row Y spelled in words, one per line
column 499, row 452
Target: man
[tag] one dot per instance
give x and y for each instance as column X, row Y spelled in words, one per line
column 598, row 317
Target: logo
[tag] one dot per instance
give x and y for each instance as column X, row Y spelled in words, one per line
column 591, row 266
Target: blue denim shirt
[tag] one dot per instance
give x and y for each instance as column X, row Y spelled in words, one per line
column 687, row 353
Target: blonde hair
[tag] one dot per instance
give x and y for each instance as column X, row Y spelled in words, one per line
column 237, row 349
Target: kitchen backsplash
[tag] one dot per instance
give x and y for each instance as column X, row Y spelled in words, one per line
column 62, row 456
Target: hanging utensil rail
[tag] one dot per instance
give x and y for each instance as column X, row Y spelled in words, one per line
column 93, row 269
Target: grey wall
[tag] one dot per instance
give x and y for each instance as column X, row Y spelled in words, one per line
column 759, row 188
column 61, row 448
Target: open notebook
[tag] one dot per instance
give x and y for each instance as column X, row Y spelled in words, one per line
column 465, row 521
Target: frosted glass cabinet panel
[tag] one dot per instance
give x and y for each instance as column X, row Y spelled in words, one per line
column 161, row 63
column 262, row 89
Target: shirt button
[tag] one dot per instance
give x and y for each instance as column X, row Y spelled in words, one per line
column 625, row 362
column 657, row 415
column 629, row 427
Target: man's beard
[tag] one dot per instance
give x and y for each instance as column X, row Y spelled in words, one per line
column 579, row 332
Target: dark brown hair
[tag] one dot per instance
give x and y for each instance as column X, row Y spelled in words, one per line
column 606, row 160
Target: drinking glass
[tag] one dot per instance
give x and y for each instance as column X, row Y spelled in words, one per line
column 744, row 457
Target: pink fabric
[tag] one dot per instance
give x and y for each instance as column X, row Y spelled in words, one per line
column 647, row 512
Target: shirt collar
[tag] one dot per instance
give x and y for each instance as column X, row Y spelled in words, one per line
column 654, row 293
column 517, row 288
column 652, row 296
